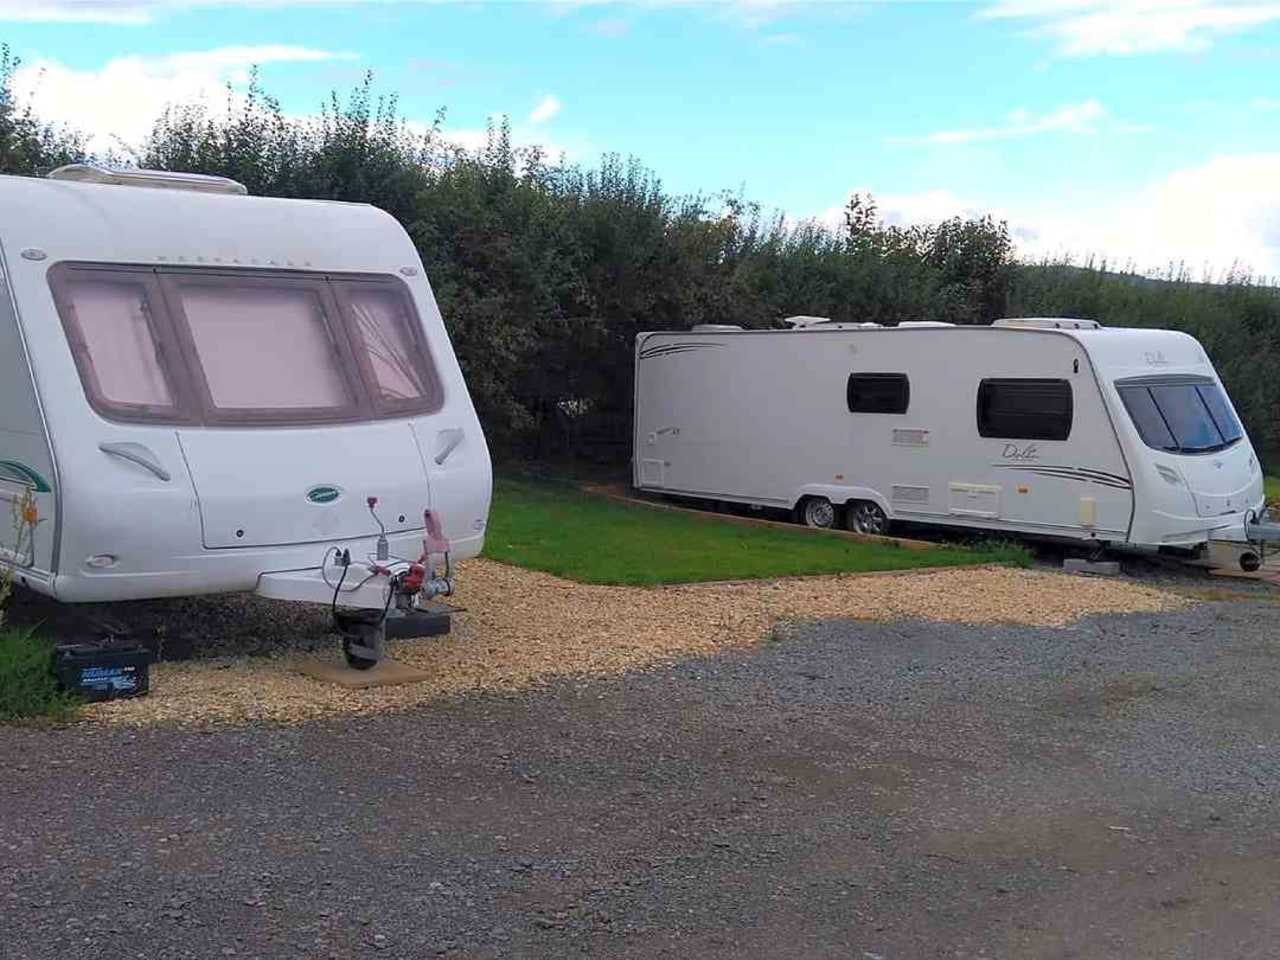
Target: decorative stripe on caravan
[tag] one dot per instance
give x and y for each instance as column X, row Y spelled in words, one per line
column 1062, row 472
column 667, row 349
column 21, row 473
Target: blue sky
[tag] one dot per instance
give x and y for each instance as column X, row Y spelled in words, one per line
column 1134, row 129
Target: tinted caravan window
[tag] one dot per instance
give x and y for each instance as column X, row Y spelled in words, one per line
column 878, row 393
column 113, row 321
column 390, row 346
column 1180, row 414
column 244, row 346
column 264, row 346
column 1024, row 409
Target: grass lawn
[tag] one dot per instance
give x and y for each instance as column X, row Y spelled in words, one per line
column 28, row 687
column 1272, row 489
column 559, row 529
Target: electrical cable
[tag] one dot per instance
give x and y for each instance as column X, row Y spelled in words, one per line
column 324, row 573
column 333, row 605
column 324, row 564
column 391, row 592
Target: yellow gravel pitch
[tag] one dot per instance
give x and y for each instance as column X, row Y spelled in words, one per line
column 522, row 628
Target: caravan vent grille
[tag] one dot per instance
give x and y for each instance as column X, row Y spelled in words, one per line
column 904, row 494
column 911, row 438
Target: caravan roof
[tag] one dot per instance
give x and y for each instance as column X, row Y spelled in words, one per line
column 65, row 219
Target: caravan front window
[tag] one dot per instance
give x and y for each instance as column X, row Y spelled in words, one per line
column 244, row 346
column 1180, row 414
column 389, row 345
column 263, row 346
column 109, row 318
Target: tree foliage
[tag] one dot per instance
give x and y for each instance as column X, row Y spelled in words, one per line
column 545, row 270
column 29, row 145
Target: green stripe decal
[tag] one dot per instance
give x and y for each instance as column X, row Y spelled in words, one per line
column 20, row 472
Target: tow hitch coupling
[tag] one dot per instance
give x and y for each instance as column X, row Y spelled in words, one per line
column 408, row 585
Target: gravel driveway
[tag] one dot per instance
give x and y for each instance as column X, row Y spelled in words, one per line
column 853, row 790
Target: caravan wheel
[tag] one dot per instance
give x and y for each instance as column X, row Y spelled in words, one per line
column 866, row 517
column 818, row 512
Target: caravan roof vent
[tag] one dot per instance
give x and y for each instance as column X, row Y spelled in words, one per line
column 925, row 323
column 797, row 323
column 164, row 179
column 1049, row 323
column 714, row 327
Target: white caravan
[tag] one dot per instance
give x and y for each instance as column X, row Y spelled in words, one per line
column 203, row 391
column 1047, row 427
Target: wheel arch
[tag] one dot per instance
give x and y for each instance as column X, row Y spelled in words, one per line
column 841, row 496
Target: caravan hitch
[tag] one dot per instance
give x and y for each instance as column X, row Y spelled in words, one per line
column 364, row 631
column 1260, row 529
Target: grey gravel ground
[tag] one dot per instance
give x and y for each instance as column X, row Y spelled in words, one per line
column 851, row 790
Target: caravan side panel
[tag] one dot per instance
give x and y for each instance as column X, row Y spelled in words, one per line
column 764, row 417
column 26, row 461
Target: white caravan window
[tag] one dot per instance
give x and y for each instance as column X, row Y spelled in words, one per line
column 1180, row 414
column 110, row 320
column 264, row 348
column 389, row 345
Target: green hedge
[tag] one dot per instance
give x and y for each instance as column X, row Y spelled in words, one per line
column 545, row 270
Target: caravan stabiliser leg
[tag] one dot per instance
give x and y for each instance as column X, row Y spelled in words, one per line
column 364, row 636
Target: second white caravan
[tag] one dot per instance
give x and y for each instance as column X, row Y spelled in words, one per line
column 1046, row 427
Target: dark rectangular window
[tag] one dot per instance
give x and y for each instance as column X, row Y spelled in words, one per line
column 878, row 393
column 1180, row 414
column 1025, row 409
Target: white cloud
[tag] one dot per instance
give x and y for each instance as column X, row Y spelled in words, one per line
column 1219, row 213
column 1222, row 213
column 905, row 209
column 76, row 11
column 1082, row 28
column 138, row 12
column 523, row 136
column 748, row 13
column 611, row 28
column 1074, row 118
column 116, row 104
column 546, row 109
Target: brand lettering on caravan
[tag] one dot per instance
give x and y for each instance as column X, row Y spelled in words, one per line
column 1014, row 452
